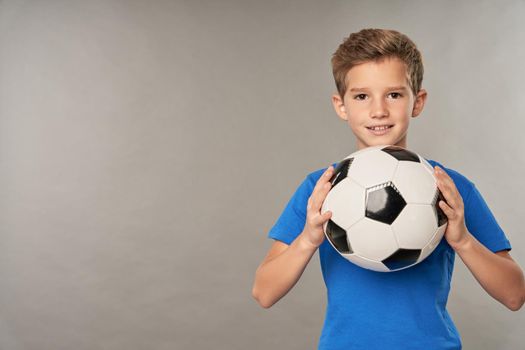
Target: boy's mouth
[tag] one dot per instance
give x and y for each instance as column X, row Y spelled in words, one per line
column 380, row 129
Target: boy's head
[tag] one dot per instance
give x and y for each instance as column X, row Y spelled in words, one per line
column 378, row 75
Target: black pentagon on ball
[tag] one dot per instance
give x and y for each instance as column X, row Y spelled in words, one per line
column 401, row 153
column 337, row 235
column 384, row 203
column 440, row 215
column 341, row 171
column 402, row 258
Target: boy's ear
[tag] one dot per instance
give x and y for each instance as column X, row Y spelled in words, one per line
column 339, row 106
column 419, row 102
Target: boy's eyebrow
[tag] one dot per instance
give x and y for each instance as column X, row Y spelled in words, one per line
column 389, row 88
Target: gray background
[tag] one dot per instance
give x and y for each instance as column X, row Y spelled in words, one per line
column 146, row 148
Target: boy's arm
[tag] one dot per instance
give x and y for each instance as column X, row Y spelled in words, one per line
column 497, row 273
column 280, row 270
column 284, row 265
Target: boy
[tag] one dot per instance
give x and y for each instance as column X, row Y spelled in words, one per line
column 378, row 74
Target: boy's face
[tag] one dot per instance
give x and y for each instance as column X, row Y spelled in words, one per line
column 378, row 94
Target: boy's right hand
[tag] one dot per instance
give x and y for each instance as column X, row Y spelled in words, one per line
column 313, row 228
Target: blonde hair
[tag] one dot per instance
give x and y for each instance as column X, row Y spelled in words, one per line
column 376, row 45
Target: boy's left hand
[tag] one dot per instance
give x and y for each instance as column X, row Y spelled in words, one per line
column 456, row 233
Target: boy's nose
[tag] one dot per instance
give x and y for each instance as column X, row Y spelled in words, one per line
column 379, row 110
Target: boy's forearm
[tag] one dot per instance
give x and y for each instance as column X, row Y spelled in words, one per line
column 502, row 278
column 276, row 277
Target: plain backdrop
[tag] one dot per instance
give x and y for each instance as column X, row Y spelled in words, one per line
column 147, row 147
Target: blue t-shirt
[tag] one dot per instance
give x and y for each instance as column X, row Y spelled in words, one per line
column 405, row 309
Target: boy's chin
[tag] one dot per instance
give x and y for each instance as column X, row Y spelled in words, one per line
column 373, row 143
column 381, row 141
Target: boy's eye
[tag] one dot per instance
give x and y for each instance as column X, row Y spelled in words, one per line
column 394, row 95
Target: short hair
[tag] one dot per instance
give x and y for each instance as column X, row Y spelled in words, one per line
column 376, row 45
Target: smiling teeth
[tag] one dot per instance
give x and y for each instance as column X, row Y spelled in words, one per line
column 377, row 128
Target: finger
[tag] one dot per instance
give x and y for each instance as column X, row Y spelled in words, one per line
column 447, row 194
column 447, row 187
column 447, row 180
column 320, row 196
column 320, row 219
column 449, row 212
column 325, row 177
column 451, row 193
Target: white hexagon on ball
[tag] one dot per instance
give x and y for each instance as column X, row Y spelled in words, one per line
column 426, row 164
column 372, row 239
column 380, row 166
column 409, row 172
column 366, row 150
column 415, row 226
column 434, row 242
column 345, row 213
column 366, row 263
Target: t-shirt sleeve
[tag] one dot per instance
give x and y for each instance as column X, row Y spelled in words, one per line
column 291, row 222
column 482, row 224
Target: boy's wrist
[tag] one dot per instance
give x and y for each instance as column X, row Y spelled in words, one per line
column 305, row 243
column 464, row 245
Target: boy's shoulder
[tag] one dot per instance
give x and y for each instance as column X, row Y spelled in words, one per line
column 316, row 174
column 460, row 180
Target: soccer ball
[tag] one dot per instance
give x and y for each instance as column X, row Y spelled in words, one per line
column 385, row 212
